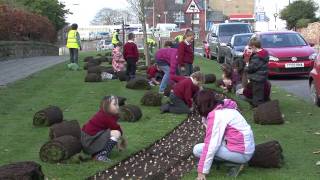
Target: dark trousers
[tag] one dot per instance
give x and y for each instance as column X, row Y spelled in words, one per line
column 131, row 68
column 177, row 105
column 257, row 93
column 74, row 55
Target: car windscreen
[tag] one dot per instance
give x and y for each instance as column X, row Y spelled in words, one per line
column 232, row 29
column 241, row 40
column 282, row 40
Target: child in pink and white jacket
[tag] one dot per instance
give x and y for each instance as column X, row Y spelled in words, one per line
column 228, row 136
column 117, row 58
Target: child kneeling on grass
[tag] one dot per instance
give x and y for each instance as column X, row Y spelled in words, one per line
column 228, row 135
column 183, row 92
column 102, row 132
column 154, row 75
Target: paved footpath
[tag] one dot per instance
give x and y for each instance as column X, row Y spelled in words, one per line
column 16, row 69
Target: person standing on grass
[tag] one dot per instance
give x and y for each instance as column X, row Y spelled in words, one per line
column 183, row 92
column 166, row 58
column 74, row 43
column 257, row 71
column 117, row 58
column 185, row 53
column 115, row 38
column 102, row 132
column 131, row 55
column 228, row 135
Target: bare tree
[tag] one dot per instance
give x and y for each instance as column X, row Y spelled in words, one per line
column 107, row 16
column 139, row 6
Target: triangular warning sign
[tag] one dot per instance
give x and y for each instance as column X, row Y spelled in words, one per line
column 193, row 7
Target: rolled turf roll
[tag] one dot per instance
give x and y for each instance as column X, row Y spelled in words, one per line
column 27, row 170
column 130, row 113
column 59, row 149
column 48, row 116
column 267, row 155
column 87, row 59
column 210, row 78
column 151, row 98
column 93, row 77
column 268, row 113
column 71, row 128
column 139, row 84
column 121, row 100
column 107, row 69
column 122, row 75
column 196, row 68
column 89, row 64
column 94, row 69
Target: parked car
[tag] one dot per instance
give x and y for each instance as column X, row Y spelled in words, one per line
column 221, row 34
column 314, row 82
column 236, row 46
column 289, row 53
column 104, row 44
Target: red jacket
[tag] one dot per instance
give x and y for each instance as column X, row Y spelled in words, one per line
column 130, row 51
column 185, row 90
column 101, row 121
column 185, row 53
column 152, row 71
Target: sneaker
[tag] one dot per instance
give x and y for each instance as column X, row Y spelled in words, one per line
column 235, row 171
column 101, row 158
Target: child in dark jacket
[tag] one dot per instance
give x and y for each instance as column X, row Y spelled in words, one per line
column 102, row 132
column 257, row 71
column 131, row 55
column 183, row 92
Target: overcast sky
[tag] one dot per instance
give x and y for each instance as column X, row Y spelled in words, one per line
column 85, row 11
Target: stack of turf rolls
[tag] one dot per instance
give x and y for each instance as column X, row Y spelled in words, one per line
column 21, row 170
column 139, row 83
column 130, row 113
column 47, row 116
column 151, row 98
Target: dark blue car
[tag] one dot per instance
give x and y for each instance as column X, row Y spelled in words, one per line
column 236, row 47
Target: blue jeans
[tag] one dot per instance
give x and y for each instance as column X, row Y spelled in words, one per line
column 166, row 77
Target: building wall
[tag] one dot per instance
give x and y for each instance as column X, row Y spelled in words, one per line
column 233, row 6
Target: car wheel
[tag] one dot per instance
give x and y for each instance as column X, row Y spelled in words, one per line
column 314, row 95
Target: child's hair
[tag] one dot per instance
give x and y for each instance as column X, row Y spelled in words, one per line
column 130, row 36
column 227, row 70
column 168, row 44
column 119, row 44
column 74, row 26
column 205, row 101
column 106, row 101
column 198, row 76
column 255, row 42
column 188, row 34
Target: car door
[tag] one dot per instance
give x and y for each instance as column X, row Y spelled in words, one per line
column 229, row 51
column 214, row 40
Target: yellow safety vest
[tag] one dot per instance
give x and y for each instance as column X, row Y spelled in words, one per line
column 72, row 41
column 151, row 42
column 114, row 38
column 179, row 38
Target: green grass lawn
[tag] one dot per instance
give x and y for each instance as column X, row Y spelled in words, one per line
column 20, row 141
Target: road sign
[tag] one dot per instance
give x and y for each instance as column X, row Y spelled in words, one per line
column 192, row 8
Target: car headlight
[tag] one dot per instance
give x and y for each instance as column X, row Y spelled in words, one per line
column 313, row 56
column 272, row 58
column 238, row 53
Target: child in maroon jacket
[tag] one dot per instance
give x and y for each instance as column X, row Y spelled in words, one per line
column 183, row 92
column 102, row 132
column 154, row 74
column 185, row 54
column 131, row 55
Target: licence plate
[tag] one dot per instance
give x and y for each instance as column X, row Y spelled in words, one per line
column 294, row 65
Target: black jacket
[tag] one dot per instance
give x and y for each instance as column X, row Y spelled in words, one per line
column 258, row 66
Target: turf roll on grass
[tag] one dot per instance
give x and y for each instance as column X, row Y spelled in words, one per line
column 121, row 100
column 267, row 155
column 196, row 68
column 139, row 83
column 88, row 58
column 268, row 113
column 107, row 69
column 94, row 69
column 89, row 64
column 210, row 78
column 71, row 128
column 151, row 98
column 48, row 116
column 130, row 113
column 93, row 77
column 27, row 170
column 122, row 75
column 60, row 149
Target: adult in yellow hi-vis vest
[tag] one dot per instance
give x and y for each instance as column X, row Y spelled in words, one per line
column 115, row 38
column 74, row 43
column 151, row 44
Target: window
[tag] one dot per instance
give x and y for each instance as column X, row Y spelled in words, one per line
column 282, row 40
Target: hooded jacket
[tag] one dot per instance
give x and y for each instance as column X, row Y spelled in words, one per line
column 258, row 66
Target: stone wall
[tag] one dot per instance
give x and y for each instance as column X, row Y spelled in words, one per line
column 311, row 33
column 23, row 49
